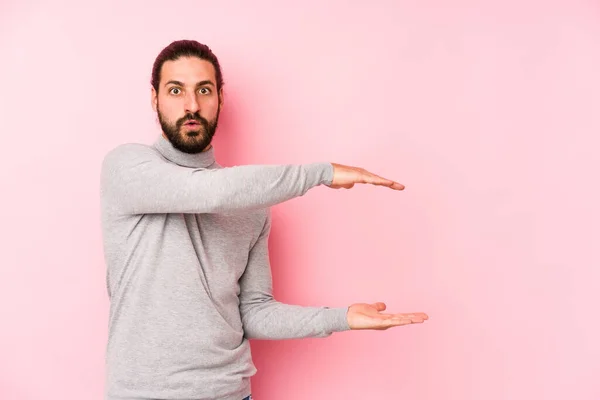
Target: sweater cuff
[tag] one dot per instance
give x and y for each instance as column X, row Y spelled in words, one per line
column 321, row 173
column 336, row 319
column 328, row 176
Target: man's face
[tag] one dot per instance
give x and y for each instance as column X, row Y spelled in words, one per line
column 188, row 103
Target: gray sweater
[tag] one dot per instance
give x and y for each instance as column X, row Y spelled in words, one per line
column 188, row 274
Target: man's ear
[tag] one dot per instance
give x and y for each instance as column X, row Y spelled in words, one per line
column 154, row 99
column 221, row 98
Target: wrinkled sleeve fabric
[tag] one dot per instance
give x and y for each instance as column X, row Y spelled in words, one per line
column 135, row 179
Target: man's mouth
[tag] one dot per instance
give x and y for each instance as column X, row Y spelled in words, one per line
column 192, row 122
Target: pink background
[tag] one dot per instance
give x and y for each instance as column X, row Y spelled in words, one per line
column 487, row 111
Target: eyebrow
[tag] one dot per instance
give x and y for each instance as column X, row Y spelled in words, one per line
column 201, row 83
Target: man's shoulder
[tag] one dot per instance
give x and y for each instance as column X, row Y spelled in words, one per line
column 130, row 149
column 128, row 152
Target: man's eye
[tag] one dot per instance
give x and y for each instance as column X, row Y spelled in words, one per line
column 204, row 90
column 175, row 91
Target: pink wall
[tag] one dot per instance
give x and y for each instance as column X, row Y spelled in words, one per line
column 487, row 111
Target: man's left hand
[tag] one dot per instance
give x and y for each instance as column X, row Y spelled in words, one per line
column 369, row 316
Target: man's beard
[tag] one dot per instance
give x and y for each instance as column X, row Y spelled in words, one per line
column 194, row 140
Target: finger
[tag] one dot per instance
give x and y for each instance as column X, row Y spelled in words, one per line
column 411, row 315
column 397, row 322
column 420, row 315
column 386, row 322
column 381, row 181
column 376, row 179
column 406, row 321
column 397, row 186
column 403, row 320
column 391, row 184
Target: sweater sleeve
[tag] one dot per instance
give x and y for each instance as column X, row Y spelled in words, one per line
column 136, row 180
column 265, row 318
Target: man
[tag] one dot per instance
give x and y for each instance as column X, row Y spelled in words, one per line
column 185, row 244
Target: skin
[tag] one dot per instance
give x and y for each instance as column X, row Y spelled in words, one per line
column 188, row 91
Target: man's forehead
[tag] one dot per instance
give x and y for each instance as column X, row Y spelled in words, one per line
column 188, row 70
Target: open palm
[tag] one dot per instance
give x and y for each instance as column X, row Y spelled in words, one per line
column 369, row 316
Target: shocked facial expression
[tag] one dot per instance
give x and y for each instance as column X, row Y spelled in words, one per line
column 188, row 103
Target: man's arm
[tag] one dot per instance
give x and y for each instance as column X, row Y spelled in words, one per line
column 136, row 180
column 265, row 318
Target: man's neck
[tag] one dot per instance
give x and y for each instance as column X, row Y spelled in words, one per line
column 204, row 159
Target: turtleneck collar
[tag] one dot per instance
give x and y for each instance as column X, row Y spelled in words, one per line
column 199, row 160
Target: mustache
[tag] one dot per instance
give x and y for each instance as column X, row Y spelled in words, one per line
column 193, row 117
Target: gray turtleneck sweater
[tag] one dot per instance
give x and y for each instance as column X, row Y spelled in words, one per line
column 188, row 274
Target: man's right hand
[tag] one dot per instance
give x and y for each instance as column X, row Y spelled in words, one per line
column 346, row 177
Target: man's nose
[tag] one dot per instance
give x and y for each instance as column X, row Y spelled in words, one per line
column 191, row 103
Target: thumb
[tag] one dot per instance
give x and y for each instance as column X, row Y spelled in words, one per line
column 379, row 306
